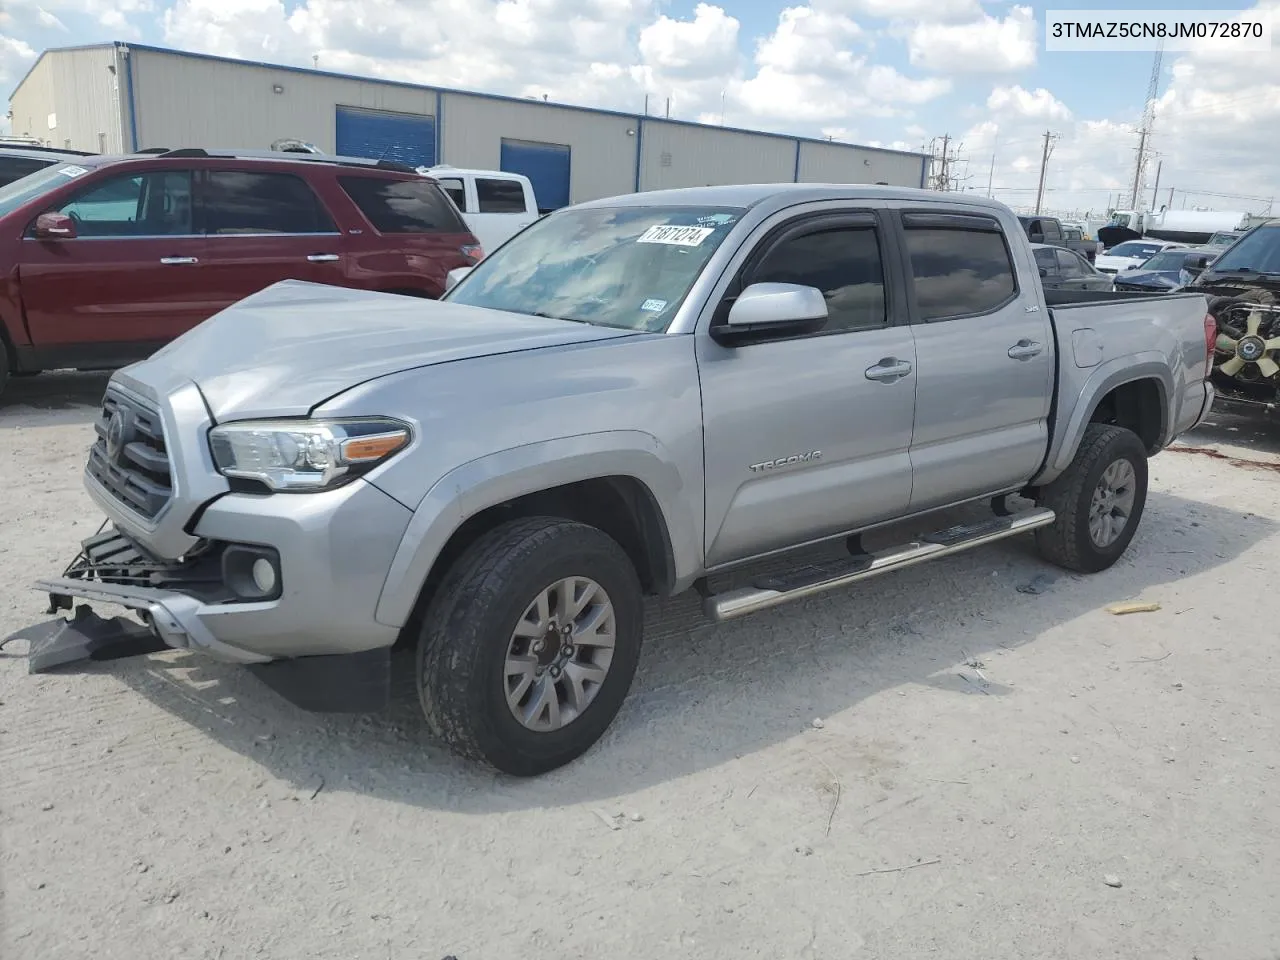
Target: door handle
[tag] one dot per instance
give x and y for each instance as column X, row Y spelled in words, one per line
column 323, row 257
column 888, row 369
column 1025, row 350
column 178, row 261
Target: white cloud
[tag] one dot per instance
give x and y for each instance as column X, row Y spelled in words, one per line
column 986, row 45
column 808, row 70
column 706, row 45
column 1031, row 104
column 933, row 10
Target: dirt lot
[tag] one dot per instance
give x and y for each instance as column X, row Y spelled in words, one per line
column 993, row 748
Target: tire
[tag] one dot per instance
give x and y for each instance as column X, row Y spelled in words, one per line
column 468, row 634
column 1069, row 541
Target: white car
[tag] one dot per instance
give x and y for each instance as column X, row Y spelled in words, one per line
column 1131, row 254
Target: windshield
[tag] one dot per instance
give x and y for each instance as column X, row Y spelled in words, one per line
column 1121, row 220
column 1223, row 239
column 1168, row 260
column 36, row 184
column 628, row 267
column 1134, row 248
column 1256, row 251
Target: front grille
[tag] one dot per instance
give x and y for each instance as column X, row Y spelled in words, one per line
column 129, row 457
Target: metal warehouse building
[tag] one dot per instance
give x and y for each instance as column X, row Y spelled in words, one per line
column 116, row 97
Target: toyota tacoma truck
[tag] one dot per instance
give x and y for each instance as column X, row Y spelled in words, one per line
column 627, row 398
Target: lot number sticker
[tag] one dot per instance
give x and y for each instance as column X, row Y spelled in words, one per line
column 676, row 236
column 73, row 171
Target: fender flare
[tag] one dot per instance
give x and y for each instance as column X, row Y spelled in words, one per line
column 1147, row 365
column 518, row 471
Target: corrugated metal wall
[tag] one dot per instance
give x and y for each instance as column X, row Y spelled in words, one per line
column 603, row 152
column 194, row 102
column 845, row 163
column 190, row 100
column 678, row 155
column 83, row 97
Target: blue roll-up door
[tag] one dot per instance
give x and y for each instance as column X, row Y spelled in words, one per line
column 545, row 164
column 382, row 135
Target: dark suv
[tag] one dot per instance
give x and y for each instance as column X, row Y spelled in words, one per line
column 108, row 258
column 20, row 160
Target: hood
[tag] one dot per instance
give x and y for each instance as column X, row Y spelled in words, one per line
column 1110, row 236
column 1108, row 262
column 281, row 352
column 1232, row 284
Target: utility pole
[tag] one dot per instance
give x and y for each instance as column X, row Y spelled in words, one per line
column 1044, row 165
column 1137, row 171
column 991, row 172
column 1155, row 190
column 1170, row 204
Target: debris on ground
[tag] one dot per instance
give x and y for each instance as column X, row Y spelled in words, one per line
column 1121, row 609
column 909, row 866
column 818, row 724
column 1036, row 585
column 608, row 821
column 1111, row 880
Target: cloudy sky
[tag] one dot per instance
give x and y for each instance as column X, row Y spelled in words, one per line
column 893, row 72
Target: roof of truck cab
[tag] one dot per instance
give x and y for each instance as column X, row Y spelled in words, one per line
column 751, row 194
column 444, row 170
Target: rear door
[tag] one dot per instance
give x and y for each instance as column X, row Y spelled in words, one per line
column 133, row 275
column 501, row 210
column 984, row 348
column 264, row 227
column 807, row 436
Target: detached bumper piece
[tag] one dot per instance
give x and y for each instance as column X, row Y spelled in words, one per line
column 86, row 636
column 168, row 597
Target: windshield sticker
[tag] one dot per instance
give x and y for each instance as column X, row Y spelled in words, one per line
column 676, row 236
column 73, row 171
column 653, row 306
column 716, row 219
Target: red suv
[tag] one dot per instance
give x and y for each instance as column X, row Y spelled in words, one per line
column 109, row 258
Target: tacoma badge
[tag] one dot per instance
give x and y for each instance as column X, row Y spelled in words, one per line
column 792, row 460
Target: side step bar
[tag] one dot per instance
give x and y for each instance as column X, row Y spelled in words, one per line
column 806, row 581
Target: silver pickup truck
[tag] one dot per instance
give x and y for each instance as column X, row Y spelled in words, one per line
column 632, row 395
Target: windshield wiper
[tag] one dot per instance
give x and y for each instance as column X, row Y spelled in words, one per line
column 552, row 316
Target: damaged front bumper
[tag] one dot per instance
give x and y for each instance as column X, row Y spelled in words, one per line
column 170, row 600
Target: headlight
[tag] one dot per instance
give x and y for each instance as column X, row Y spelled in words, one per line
column 302, row 456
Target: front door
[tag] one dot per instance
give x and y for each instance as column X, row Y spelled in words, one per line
column 985, row 360
column 807, row 437
column 266, row 227
column 131, row 277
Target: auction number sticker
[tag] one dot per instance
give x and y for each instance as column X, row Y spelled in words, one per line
column 73, row 171
column 676, row 236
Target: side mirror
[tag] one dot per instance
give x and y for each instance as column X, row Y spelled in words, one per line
column 1043, row 272
column 773, row 309
column 1197, row 263
column 455, row 276
column 54, row 226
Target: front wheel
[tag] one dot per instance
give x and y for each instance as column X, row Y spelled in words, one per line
column 1098, row 500
column 530, row 645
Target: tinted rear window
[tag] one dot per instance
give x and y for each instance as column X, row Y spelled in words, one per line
column 403, row 206
column 15, row 168
column 499, row 196
column 241, row 201
column 959, row 272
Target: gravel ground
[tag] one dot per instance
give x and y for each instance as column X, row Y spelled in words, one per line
column 993, row 749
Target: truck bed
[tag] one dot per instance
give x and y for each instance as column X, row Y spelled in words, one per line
column 1106, row 339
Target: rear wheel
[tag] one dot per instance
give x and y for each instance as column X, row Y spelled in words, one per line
column 1098, row 500
column 530, row 645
